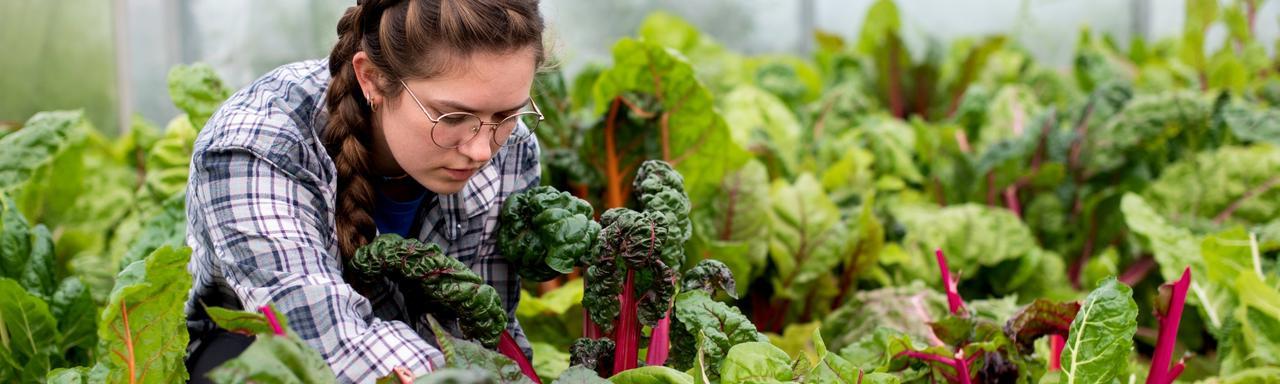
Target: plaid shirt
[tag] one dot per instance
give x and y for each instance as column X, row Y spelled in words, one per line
column 260, row 208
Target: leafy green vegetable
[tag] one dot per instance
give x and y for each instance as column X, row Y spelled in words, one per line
column 275, row 359
column 464, row 354
column 434, row 280
column 143, row 336
column 27, row 327
column 1101, row 335
column 197, row 91
column 734, row 227
column 1041, row 317
column 757, row 362
column 41, row 138
column 579, row 375
column 545, row 232
column 651, row 375
column 708, row 327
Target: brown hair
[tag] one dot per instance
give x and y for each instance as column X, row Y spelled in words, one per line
column 404, row 39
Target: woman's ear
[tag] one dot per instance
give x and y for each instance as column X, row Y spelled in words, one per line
column 368, row 76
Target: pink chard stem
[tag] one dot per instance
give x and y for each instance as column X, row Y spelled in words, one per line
column 1161, row 373
column 271, row 319
column 626, row 334
column 660, row 342
column 1056, row 344
column 954, row 302
column 507, row 347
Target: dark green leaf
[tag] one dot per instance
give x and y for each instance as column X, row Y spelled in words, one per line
column 26, row 329
column 459, row 353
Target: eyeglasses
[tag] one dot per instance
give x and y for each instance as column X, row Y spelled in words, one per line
column 453, row 129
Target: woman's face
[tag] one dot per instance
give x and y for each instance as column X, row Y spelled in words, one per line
column 490, row 85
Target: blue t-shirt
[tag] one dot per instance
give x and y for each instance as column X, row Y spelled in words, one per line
column 393, row 216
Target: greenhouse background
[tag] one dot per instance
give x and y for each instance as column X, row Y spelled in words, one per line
column 110, row 57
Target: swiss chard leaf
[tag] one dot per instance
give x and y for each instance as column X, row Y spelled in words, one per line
column 143, row 335
column 806, row 236
column 26, row 327
column 720, row 326
column 275, row 359
column 1101, row 335
column 465, row 354
column 757, row 362
column 546, row 232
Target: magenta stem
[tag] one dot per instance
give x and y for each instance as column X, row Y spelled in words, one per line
column 660, row 342
column 1160, row 371
column 954, row 302
column 271, row 319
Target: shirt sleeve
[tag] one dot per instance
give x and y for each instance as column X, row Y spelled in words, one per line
column 267, row 233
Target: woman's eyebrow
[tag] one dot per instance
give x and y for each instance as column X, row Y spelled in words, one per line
column 455, row 106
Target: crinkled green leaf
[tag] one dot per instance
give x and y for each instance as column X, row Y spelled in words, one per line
column 1101, row 335
column 908, row 308
column 1009, row 115
column 1231, row 184
column 973, row 236
column 1152, row 129
column 1041, row 317
column 631, row 241
column 26, row 329
column 197, row 91
column 806, row 236
column 579, row 375
column 459, row 353
column 275, row 359
column 143, row 325
column 653, row 374
column 1252, row 124
column 40, row 140
column 756, row 362
column 720, row 326
column 431, row 279
column 545, row 232
column 1176, row 249
column 168, row 162
column 708, row 276
column 660, row 189
column 595, row 354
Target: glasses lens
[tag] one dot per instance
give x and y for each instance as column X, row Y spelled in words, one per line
column 509, row 132
column 453, row 129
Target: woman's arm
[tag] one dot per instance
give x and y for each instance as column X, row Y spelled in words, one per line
column 267, row 233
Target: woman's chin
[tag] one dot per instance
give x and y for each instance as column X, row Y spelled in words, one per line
column 443, row 185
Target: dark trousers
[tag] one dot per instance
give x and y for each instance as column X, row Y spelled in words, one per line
column 213, row 349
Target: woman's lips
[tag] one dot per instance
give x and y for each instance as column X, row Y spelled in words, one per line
column 460, row 174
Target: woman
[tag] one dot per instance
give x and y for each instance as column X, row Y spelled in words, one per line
column 412, row 126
